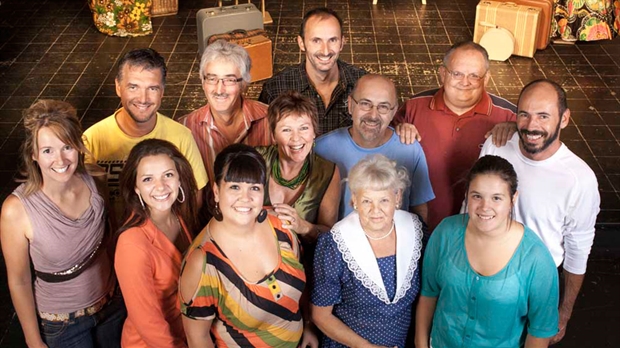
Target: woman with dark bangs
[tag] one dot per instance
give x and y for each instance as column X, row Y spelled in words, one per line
column 242, row 281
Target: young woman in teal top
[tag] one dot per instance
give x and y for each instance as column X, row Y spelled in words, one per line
column 487, row 280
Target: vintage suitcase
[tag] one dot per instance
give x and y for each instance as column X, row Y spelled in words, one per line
column 544, row 20
column 219, row 20
column 258, row 46
column 521, row 21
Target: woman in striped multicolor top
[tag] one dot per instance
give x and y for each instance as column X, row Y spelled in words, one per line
column 242, row 281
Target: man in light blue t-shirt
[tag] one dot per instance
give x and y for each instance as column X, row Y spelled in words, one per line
column 372, row 104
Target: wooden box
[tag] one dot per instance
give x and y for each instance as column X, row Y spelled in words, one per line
column 521, row 21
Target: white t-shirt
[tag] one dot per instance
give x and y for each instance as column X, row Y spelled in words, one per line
column 558, row 199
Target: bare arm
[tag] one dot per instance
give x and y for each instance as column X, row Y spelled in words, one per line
column 535, row 342
column 14, row 227
column 421, row 210
column 335, row 329
column 423, row 320
column 197, row 331
column 572, row 286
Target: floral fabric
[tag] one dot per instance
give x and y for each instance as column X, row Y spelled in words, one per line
column 122, row 17
column 586, row 20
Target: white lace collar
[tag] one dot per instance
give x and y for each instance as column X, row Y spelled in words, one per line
column 359, row 257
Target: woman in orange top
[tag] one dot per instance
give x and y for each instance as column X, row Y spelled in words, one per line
column 158, row 187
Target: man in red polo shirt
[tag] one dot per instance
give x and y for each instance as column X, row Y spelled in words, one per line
column 454, row 121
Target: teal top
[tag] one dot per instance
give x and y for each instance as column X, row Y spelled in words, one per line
column 495, row 311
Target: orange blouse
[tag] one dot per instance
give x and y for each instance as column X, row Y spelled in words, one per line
column 147, row 266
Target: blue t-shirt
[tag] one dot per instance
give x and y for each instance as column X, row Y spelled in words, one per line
column 489, row 311
column 339, row 147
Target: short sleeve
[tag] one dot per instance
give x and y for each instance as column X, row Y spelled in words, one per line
column 421, row 189
column 191, row 152
column 328, row 271
column 203, row 305
column 543, row 297
column 432, row 254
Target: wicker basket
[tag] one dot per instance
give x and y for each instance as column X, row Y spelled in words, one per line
column 164, row 8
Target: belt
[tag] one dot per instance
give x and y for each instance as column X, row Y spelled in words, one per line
column 90, row 310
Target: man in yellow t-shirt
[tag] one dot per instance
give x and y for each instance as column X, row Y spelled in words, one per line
column 140, row 84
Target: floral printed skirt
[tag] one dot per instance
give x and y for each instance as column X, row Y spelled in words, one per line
column 586, row 20
column 122, row 17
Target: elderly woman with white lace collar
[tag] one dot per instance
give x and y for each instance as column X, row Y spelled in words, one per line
column 366, row 269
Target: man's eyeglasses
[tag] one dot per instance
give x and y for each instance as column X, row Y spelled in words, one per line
column 226, row 81
column 382, row 108
column 457, row 75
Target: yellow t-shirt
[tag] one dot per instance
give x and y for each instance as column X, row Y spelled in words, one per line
column 110, row 147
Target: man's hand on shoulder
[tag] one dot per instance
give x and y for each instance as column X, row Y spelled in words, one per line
column 407, row 133
column 501, row 133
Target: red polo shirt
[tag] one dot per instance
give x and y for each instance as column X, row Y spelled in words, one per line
column 451, row 143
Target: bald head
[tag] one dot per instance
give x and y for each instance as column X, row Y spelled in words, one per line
column 378, row 83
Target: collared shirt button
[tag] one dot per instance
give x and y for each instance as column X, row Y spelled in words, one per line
column 477, row 278
column 458, row 129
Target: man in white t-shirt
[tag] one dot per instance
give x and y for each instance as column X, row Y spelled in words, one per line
column 558, row 192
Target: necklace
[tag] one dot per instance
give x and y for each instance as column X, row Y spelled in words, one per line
column 295, row 182
column 382, row 237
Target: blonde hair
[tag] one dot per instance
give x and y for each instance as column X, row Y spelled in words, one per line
column 61, row 118
column 377, row 172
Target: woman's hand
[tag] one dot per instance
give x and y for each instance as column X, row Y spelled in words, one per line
column 309, row 338
column 291, row 220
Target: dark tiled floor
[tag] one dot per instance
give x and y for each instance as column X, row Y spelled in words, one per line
column 50, row 49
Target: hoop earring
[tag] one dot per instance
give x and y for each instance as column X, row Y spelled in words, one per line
column 217, row 213
column 141, row 201
column 261, row 216
column 182, row 194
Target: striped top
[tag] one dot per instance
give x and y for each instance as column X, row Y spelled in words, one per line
column 262, row 314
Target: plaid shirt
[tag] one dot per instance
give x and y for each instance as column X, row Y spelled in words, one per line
column 336, row 114
column 255, row 131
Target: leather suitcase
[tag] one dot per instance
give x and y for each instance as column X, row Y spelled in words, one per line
column 521, row 21
column 258, row 46
column 544, row 21
column 222, row 19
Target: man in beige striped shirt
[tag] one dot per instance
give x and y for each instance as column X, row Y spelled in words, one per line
column 228, row 118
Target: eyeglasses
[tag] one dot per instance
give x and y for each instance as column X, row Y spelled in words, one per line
column 382, row 108
column 457, row 75
column 226, row 81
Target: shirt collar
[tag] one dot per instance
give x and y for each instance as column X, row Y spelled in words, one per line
column 248, row 115
column 483, row 107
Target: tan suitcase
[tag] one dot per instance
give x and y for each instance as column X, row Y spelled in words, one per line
column 258, row 46
column 521, row 21
column 544, row 20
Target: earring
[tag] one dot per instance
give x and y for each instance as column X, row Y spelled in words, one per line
column 261, row 216
column 141, row 201
column 182, row 194
column 354, row 207
column 217, row 213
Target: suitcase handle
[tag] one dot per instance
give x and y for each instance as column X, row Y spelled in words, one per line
column 219, row 2
column 509, row 4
